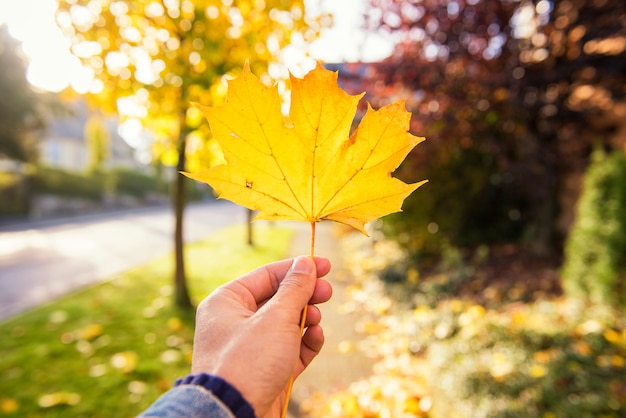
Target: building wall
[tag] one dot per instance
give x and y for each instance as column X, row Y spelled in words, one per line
column 63, row 143
column 64, row 152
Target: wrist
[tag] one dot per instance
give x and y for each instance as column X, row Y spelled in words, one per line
column 226, row 392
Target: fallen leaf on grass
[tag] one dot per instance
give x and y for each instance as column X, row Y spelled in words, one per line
column 9, row 405
column 170, row 356
column 138, row 387
column 125, row 361
column 89, row 332
column 97, row 370
column 58, row 317
column 175, row 324
column 58, row 398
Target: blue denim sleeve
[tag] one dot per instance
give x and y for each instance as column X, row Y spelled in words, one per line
column 187, row 401
column 222, row 390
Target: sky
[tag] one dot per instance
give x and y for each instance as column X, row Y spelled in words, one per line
column 52, row 67
column 347, row 41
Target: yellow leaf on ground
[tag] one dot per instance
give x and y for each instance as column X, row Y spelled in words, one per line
column 175, row 324
column 58, row 398
column 125, row 361
column 310, row 168
column 537, row 371
column 346, row 347
column 8, row 405
column 90, row 332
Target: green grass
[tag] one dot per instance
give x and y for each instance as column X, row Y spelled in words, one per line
column 111, row 350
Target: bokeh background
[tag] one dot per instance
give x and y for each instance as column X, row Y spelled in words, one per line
column 499, row 291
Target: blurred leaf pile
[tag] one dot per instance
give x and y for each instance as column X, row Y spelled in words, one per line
column 450, row 356
column 550, row 358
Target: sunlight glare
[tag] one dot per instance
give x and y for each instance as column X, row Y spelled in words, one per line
column 347, row 40
column 51, row 64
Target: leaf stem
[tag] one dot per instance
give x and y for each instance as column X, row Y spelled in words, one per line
column 313, row 239
column 302, row 324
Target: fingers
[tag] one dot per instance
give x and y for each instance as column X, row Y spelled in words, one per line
column 312, row 342
column 322, row 292
column 264, row 282
column 322, row 265
column 297, row 286
column 313, row 316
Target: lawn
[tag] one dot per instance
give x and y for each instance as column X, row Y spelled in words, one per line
column 112, row 349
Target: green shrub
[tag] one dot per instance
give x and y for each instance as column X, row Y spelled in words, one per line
column 92, row 185
column 594, row 267
column 467, row 202
column 13, row 200
column 49, row 180
column 134, row 183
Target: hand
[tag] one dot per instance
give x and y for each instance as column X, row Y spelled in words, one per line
column 248, row 331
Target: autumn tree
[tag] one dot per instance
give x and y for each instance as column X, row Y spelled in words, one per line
column 98, row 139
column 150, row 59
column 511, row 97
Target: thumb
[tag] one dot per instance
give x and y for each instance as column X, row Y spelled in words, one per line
column 296, row 288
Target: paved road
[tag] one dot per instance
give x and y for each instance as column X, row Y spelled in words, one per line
column 42, row 260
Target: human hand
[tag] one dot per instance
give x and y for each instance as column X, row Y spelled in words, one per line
column 248, row 330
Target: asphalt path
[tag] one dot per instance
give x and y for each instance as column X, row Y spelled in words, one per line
column 42, row 260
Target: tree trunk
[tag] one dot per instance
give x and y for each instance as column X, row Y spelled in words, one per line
column 181, row 293
column 544, row 176
column 250, row 216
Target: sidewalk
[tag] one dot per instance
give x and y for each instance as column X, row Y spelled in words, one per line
column 332, row 369
column 43, row 260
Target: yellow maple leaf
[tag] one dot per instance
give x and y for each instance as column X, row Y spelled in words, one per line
column 309, row 168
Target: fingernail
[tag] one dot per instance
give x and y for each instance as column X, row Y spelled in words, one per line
column 302, row 265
